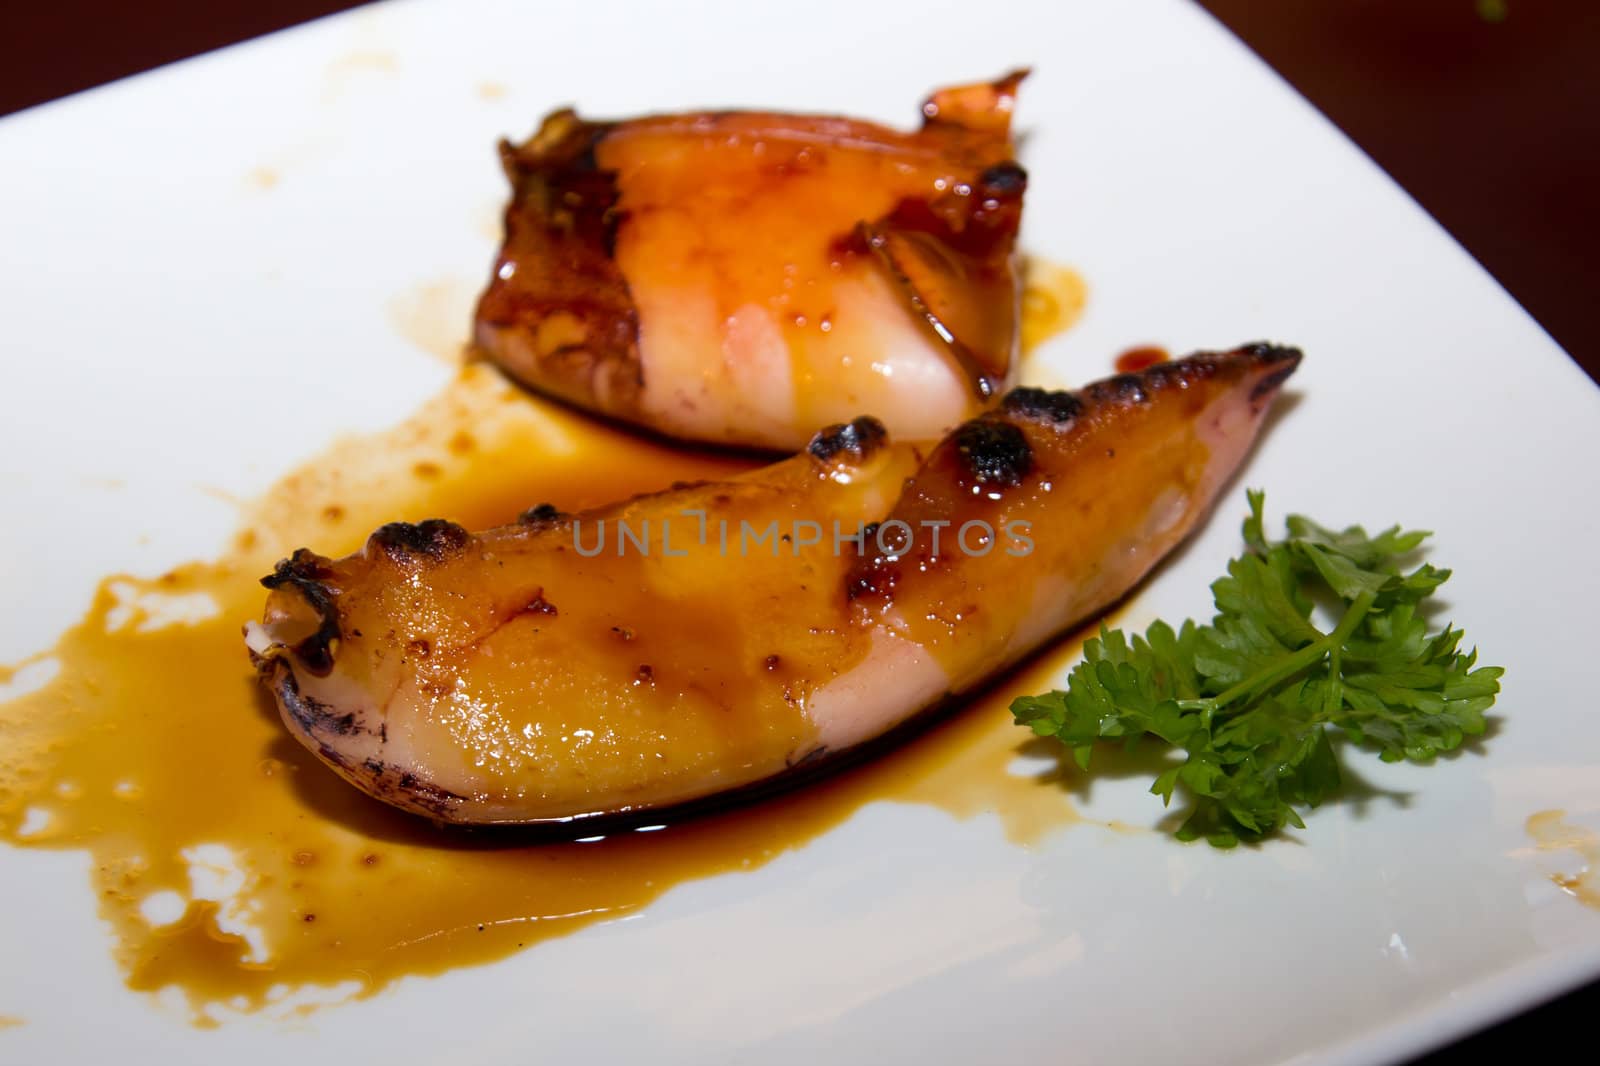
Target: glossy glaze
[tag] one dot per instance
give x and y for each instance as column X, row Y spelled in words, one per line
column 1155, row 177
column 745, row 277
column 732, row 633
column 345, row 895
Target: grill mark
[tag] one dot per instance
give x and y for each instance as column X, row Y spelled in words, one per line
column 544, row 516
column 433, row 540
column 993, row 452
column 1043, row 405
column 858, row 439
column 310, row 714
column 388, row 782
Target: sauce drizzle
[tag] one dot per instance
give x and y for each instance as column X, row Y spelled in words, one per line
column 232, row 866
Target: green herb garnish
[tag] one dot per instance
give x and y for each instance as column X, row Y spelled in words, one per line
column 1258, row 699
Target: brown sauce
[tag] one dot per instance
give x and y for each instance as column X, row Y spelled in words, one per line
column 1551, row 832
column 1053, row 298
column 1136, row 359
column 153, row 739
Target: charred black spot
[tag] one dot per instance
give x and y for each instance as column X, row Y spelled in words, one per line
column 308, row 573
column 544, row 516
column 1045, row 405
column 427, row 795
column 392, row 785
column 1270, row 384
column 1286, row 360
column 858, row 439
column 993, row 452
column 1004, row 179
column 1127, row 388
column 1179, row 374
column 303, row 566
column 1140, row 387
column 405, row 541
column 310, row 714
column 1268, row 353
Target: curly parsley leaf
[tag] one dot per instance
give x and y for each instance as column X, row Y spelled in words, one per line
column 1254, row 702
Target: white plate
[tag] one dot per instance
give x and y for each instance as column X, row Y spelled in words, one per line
column 1205, row 203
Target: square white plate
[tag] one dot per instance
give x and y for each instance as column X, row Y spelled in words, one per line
column 143, row 267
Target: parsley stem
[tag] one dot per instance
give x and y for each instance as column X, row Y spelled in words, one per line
column 1307, row 656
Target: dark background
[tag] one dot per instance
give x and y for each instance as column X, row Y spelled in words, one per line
column 1486, row 111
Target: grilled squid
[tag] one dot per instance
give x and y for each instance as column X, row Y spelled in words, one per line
column 743, row 277
column 720, row 636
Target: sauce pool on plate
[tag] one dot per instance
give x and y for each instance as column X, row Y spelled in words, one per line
column 230, row 865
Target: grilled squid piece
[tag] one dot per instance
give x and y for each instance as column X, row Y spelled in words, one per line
column 722, row 635
column 744, row 277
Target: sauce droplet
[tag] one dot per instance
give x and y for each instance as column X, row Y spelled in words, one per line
column 1136, row 359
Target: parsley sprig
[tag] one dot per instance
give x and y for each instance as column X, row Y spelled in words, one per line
column 1256, row 700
